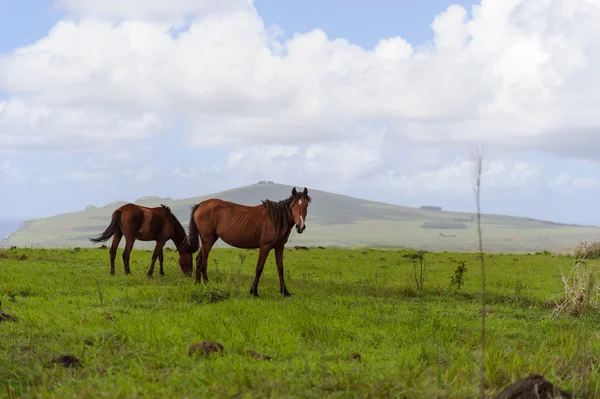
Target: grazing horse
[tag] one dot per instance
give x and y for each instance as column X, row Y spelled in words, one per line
column 147, row 224
column 266, row 226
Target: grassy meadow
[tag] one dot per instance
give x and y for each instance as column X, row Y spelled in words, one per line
column 416, row 337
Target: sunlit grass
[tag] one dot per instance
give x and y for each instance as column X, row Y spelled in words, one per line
column 413, row 343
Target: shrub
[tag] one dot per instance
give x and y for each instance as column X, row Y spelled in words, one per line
column 581, row 290
column 444, row 225
column 458, row 279
column 588, row 250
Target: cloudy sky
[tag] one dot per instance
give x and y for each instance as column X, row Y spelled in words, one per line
column 117, row 99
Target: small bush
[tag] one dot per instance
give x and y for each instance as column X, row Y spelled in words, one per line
column 588, row 250
column 458, row 279
column 581, row 290
column 420, row 271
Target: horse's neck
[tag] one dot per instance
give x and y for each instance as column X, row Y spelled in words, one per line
column 288, row 219
column 178, row 238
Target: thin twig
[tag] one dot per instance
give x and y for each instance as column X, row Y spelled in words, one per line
column 478, row 171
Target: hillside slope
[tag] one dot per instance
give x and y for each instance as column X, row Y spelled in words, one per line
column 333, row 220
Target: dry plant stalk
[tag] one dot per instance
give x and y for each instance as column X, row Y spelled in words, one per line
column 581, row 294
column 477, row 188
column 588, row 250
column 581, row 288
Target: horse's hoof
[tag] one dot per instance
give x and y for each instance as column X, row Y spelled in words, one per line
column 149, row 275
column 286, row 294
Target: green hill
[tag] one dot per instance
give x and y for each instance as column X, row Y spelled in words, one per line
column 336, row 221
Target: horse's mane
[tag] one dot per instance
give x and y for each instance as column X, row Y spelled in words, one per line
column 279, row 211
column 178, row 228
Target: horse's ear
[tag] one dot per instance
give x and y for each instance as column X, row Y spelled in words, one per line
column 305, row 192
column 294, row 192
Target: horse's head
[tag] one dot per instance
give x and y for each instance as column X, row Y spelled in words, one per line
column 185, row 262
column 299, row 207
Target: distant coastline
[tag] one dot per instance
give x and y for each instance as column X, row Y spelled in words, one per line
column 9, row 226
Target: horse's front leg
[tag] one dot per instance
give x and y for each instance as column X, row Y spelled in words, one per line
column 161, row 258
column 279, row 260
column 157, row 251
column 260, row 265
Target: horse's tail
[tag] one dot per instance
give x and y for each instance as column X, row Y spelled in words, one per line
column 113, row 227
column 193, row 239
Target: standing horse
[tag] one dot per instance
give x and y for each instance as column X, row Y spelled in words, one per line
column 266, row 226
column 146, row 224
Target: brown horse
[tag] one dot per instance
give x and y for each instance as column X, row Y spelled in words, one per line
column 266, row 226
column 147, row 224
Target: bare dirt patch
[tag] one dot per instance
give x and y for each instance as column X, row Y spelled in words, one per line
column 67, row 360
column 206, row 348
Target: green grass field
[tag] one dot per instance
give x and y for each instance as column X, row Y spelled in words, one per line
column 132, row 333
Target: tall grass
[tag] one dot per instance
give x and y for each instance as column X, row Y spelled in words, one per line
column 581, row 295
column 588, row 250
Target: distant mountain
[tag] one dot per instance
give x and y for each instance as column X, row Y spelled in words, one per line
column 333, row 220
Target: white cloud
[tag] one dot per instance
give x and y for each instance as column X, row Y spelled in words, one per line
column 24, row 124
column 517, row 73
column 586, row 182
column 141, row 173
column 456, row 178
column 79, row 177
column 565, row 183
column 9, row 173
column 149, row 9
column 83, row 176
column 560, row 182
column 268, row 155
column 193, row 173
column 333, row 162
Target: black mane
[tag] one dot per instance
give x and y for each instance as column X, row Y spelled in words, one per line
column 179, row 230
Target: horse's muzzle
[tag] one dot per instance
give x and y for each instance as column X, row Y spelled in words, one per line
column 299, row 229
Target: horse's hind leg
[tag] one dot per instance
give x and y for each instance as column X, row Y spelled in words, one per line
column 126, row 254
column 113, row 250
column 157, row 254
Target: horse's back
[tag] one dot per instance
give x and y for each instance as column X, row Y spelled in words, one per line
column 142, row 221
column 217, row 202
column 236, row 224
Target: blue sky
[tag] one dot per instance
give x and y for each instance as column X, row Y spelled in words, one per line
column 108, row 108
